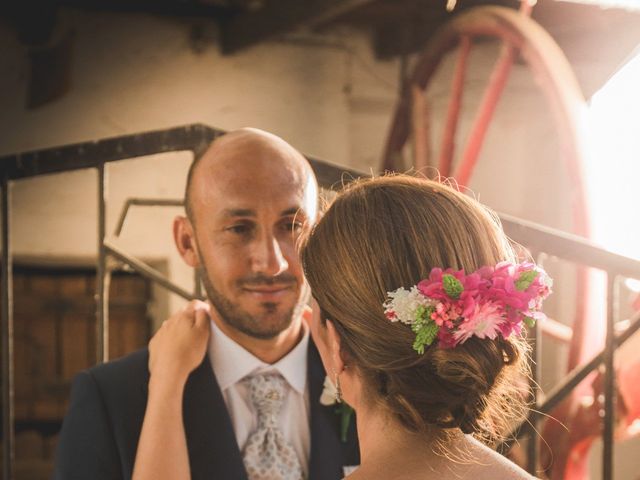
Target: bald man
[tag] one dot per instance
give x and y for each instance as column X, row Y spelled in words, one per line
column 247, row 200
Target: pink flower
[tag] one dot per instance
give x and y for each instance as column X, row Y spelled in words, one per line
column 446, row 338
column 484, row 322
column 445, row 314
column 486, row 303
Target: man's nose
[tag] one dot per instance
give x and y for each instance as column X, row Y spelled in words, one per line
column 268, row 258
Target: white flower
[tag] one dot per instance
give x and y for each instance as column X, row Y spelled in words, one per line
column 329, row 391
column 403, row 304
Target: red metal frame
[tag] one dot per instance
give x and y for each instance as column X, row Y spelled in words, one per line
column 453, row 112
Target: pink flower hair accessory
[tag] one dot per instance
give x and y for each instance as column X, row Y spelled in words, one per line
column 450, row 307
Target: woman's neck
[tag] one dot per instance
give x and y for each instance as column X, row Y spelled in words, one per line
column 383, row 438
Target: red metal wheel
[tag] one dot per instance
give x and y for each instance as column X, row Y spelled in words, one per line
column 524, row 38
column 519, row 34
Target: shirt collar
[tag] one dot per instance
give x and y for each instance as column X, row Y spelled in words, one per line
column 231, row 362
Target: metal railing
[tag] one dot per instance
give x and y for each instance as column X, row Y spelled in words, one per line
column 196, row 138
column 96, row 154
column 541, row 239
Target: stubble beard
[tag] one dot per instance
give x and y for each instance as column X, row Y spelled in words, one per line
column 264, row 326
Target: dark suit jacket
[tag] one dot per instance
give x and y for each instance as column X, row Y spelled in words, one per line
column 100, row 432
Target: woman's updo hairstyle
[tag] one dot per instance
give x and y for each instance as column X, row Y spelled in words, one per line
column 388, row 232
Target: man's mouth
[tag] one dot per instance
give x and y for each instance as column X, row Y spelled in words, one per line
column 268, row 292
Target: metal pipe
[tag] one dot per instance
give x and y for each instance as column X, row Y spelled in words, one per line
column 147, row 271
column 102, row 282
column 569, row 247
column 578, row 374
column 145, row 202
column 533, row 450
column 8, row 413
column 195, row 138
column 573, row 378
column 533, row 447
column 609, row 380
column 197, row 284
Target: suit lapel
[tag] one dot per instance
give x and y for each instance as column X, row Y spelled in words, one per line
column 213, row 449
column 326, row 459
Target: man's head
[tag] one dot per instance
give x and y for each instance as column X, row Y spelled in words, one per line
column 247, row 200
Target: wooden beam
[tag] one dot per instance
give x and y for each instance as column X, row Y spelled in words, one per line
column 280, row 16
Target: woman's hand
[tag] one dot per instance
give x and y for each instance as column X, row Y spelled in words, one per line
column 175, row 351
column 179, row 346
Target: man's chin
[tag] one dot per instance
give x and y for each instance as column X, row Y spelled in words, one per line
column 265, row 323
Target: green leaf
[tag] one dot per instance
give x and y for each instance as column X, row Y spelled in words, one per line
column 426, row 332
column 423, row 313
column 452, row 286
column 525, row 280
column 530, row 322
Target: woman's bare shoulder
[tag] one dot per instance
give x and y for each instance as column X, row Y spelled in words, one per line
column 480, row 463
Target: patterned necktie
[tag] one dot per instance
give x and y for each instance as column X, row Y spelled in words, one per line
column 267, row 454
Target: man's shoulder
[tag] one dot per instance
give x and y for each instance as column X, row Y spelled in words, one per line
column 133, row 366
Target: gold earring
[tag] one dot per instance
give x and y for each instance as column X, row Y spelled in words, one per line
column 338, row 389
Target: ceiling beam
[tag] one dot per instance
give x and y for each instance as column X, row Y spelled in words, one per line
column 275, row 17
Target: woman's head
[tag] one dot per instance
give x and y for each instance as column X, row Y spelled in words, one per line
column 389, row 232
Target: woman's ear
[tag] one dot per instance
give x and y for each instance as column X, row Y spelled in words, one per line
column 185, row 240
column 335, row 348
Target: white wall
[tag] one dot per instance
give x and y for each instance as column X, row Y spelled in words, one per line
column 327, row 95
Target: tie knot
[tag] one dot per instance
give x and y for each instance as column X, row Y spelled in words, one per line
column 267, row 396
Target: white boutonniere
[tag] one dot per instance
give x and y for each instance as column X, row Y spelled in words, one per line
column 328, row 398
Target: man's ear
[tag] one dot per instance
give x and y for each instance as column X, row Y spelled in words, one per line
column 185, row 239
column 335, row 347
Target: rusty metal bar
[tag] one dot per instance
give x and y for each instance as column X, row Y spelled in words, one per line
column 533, row 447
column 533, row 450
column 147, row 271
column 8, row 412
column 572, row 380
column 197, row 284
column 102, row 276
column 145, row 202
column 195, row 138
column 578, row 374
column 609, row 380
column 568, row 247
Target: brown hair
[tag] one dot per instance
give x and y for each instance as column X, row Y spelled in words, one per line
column 389, row 232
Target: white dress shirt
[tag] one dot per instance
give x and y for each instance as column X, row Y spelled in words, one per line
column 231, row 363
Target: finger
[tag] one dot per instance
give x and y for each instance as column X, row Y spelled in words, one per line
column 307, row 315
column 200, row 305
column 202, row 320
column 190, row 307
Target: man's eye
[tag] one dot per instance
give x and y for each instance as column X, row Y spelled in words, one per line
column 293, row 226
column 239, row 229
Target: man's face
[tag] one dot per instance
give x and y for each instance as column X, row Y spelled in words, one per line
column 248, row 218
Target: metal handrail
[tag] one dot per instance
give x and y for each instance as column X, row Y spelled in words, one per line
column 195, row 138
